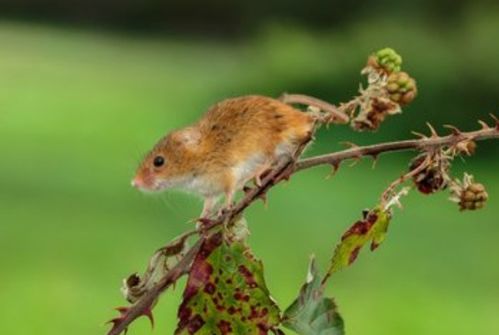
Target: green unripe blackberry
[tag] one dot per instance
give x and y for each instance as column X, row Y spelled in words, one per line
column 388, row 60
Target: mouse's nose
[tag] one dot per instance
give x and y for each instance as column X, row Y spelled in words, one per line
column 137, row 182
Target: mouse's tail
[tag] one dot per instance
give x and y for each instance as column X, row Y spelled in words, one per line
column 323, row 111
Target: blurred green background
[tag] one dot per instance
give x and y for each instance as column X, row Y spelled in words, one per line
column 86, row 89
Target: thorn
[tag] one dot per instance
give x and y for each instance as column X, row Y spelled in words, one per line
column 350, row 145
column 285, row 174
column 148, row 314
column 117, row 320
column 263, row 197
column 336, row 166
column 122, row 309
column 483, row 124
column 355, row 161
column 455, row 130
column 496, row 120
column 432, row 130
column 375, row 160
column 204, row 224
column 423, row 136
column 204, row 220
column 114, row 321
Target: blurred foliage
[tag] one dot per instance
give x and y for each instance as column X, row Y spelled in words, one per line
column 226, row 17
column 79, row 108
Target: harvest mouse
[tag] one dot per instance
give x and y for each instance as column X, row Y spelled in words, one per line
column 236, row 140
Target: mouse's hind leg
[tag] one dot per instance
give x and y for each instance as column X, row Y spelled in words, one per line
column 229, row 199
column 209, row 206
column 261, row 173
column 230, row 189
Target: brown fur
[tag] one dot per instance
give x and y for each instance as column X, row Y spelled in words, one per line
column 230, row 133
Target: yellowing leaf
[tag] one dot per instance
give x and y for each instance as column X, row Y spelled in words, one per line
column 372, row 227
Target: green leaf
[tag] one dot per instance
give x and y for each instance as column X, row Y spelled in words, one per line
column 373, row 227
column 226, row 292
column 312, row 313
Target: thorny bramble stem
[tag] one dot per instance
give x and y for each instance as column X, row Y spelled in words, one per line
column 389, row 192
column 418, row 144
column 146, row 302
column 283, row 171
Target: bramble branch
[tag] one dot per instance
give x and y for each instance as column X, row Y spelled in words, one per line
column 143, row 306
column 424, row 143
column 388, row 90
column 285, row 170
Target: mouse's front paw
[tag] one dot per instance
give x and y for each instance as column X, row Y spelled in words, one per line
column 224, row 210
column 203, row 224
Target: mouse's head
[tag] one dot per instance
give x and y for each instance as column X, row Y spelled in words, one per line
column 169, row 162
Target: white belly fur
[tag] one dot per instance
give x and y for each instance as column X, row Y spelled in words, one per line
column 243, row 172
column 248, row 169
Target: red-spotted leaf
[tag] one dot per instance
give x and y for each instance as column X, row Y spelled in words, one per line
column 373, row 227
column 312, row 313
column 226, row 292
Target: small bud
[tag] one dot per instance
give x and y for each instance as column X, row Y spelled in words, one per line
column 401, row 88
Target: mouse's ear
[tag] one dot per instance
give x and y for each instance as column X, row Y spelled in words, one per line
column 190, row 136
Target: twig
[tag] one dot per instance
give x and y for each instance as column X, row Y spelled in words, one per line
column 281, row 172
column 145, row 303
column 388, row 193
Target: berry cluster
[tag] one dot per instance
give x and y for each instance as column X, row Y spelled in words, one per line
column 401, row 87
column 431, row 174
column 389, row 88
column 386, row 60
column 469, row 194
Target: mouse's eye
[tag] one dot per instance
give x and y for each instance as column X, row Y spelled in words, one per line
column 158, row 161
